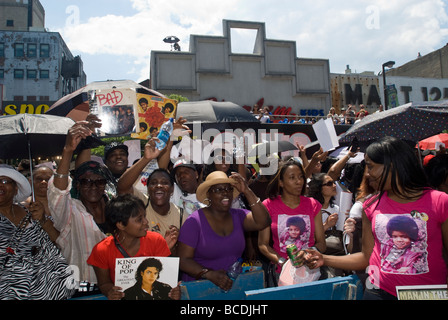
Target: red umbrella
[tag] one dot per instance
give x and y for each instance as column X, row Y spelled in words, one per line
column 430, row 143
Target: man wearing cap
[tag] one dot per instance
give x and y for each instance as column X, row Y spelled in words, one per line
column 186, row 175
column 116, row 158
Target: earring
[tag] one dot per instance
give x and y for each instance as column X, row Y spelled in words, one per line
column 209, row 202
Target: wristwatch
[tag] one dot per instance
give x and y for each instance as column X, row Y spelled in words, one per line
column 201, row 274
column 281, row 261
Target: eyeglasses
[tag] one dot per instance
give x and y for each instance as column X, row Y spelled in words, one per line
column 100, row 183
column 222, row 189
column 328, row 184
column 6, row 181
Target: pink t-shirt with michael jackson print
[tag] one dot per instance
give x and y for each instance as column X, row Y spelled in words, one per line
column 408, row 241
column 292, row 226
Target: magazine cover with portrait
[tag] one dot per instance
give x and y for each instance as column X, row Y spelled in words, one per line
column 152, row 112
column 293, row 230
column 147, row 278
column 403, row 239
column 117, row 110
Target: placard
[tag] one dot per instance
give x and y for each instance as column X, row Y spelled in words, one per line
column 117, row 110
column 326, row 134
column 429, row 292
column 136, row 275
column 152, row 112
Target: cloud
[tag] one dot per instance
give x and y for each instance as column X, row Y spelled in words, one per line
column 361, row 33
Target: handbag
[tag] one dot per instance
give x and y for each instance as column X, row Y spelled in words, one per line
column 271, row 276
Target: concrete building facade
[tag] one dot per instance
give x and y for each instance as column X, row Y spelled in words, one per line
column 36, row 66
column 272, row 75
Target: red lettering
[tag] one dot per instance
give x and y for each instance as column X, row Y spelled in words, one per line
column 111, row 99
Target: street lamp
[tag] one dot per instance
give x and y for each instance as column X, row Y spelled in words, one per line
column 389, row 65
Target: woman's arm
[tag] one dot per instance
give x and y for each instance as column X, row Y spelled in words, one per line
column 195, row 270
column 357, row 261
column 106, row 285
column 75, row 134
column 264, row 237
column 131, row 175
column 319, row 234
column 259, row 217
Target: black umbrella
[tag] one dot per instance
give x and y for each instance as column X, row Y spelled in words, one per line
column 208, row 111
column 411, row 122
column 76, row 105
column 270, row 147
column 171, row 39
column 33, row 135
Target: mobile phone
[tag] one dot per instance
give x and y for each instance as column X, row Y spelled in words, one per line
column 354, row 145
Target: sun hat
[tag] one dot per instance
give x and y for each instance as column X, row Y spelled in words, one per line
column 216, row 177
column 23, row 185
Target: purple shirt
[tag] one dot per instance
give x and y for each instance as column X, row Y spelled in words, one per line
column 213, row 251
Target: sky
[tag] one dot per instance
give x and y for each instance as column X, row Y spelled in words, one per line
column 115, row 37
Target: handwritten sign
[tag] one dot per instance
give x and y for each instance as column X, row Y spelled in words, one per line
column 117, row 109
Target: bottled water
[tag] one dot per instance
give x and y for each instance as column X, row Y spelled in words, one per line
column 165, row 133
column 235, row 269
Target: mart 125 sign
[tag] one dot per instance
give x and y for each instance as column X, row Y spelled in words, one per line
column 32, row 107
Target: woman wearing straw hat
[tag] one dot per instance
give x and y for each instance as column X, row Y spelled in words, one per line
column 212, row 238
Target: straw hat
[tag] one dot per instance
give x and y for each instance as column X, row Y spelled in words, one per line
column 214, row 178
column 23, row 185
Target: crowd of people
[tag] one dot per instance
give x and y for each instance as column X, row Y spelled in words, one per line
column 86, row 214
column 349, row 115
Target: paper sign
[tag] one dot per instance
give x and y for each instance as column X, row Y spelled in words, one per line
column 429, row 292
column 326, row 134
column 344, row 199
column 134, row 274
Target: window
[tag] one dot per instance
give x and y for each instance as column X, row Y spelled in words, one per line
column 2, row 49
column 44, row 50
column 10, row 23
column 31, row 74
column 19, row 50
column 2, row 73
column 44, row 74
column 18, row 73
column 32, row 50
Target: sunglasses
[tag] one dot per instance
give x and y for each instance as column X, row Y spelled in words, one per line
column 222, row 189
column 328, row 184
column 100, row 183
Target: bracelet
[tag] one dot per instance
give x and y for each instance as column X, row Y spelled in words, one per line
column 257, row 202
column 61, row 176
column 201, row 274
column 281, row 261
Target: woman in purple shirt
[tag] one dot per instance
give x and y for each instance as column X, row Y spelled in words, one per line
column 212, row 238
